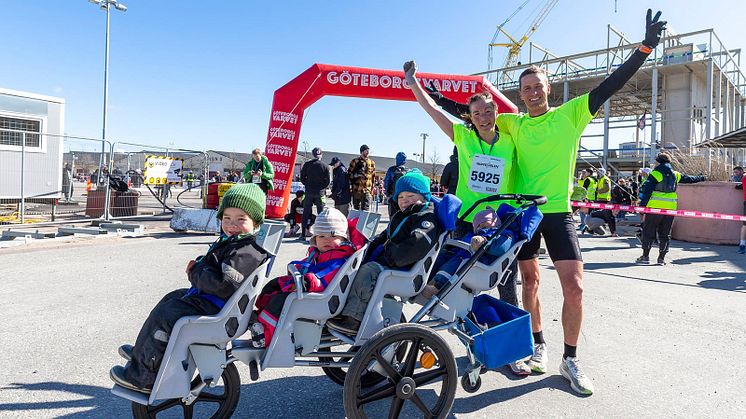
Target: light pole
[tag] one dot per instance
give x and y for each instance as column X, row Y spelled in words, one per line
column 424, row 137
column 106, row 6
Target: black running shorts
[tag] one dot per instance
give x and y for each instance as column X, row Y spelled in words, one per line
column 559, row 235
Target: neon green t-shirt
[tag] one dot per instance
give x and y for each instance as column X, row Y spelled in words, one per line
column 546, row 149
column 477, row 180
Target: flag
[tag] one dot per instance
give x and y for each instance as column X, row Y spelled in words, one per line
column 641, row 121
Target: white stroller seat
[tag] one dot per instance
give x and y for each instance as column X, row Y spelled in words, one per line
column 383, row 310
column 481, row 277
column 200, row 342
column 304, row 314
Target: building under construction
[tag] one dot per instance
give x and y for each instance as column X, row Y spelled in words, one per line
column 691, row 92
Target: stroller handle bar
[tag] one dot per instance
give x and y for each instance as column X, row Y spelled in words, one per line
column 525, row 201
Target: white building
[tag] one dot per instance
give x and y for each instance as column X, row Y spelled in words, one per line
column 35, row 115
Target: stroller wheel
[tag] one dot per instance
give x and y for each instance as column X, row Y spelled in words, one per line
column 468, row 386
column 219, row 402
column 412, row 386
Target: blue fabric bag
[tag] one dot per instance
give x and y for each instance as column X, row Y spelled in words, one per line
column 507, row 340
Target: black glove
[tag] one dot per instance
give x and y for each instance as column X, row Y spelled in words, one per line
column 739, row 186
column 434, row 92
column 653, row 29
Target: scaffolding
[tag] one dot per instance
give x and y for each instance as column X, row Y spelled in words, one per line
column 691, row 89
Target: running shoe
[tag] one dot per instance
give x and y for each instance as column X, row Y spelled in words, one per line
column 643, row 260
column 520, row 368
column 742, row 249
column 580, row 383
column 538, row 361
column 661, row 262
column 345, row 324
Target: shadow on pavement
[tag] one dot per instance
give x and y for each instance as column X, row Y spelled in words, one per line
column 486, row 399
column 98, row 402
column 727, row 281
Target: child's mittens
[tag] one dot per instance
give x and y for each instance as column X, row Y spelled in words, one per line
column 190, row 265
column 477, row 241
column 286, row 283
column 312, row 283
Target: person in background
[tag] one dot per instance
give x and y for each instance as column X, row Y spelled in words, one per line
column 362, row 170
column 449, row 178
column 67, row 182
column 737, row 174
column 341, row 193
column 603, row 187
column 259, row 171
column 314, row 175
column 392, row 175
column 742, row 243
column 622, row 195
column 659, row 191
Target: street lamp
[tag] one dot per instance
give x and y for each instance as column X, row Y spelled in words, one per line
column 424, row 137
column 106, row 6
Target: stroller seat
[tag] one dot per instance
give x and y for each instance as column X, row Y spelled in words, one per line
column 200, row 342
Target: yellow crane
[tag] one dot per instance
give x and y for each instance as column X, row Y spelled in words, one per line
column 514, row 46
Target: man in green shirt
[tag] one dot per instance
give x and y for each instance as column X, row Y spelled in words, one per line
column 546, row 141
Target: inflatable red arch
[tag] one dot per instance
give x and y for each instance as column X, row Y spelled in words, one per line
column 292, row 99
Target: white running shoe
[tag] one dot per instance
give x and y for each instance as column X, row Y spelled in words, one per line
column 580, row 383
column 520, row 368
column 538, row 362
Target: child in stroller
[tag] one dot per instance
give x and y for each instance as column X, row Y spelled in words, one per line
column 334, row 240
column 214, row 278
column 411, row 233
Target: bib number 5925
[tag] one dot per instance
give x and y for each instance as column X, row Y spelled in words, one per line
column 493, row 178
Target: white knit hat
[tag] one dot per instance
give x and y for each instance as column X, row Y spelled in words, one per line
column 331, row 221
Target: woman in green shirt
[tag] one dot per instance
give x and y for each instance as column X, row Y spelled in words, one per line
column 486, row 156
column 485, row 165
column 259, row 171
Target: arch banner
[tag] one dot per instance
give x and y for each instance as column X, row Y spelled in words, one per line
column 292, row 99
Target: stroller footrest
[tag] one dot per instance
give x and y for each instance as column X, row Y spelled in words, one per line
column 130, row 395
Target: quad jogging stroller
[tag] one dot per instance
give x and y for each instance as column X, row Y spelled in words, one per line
column 388, row 358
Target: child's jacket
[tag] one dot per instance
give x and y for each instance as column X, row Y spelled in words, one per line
column 410, row 235
column 219, row 273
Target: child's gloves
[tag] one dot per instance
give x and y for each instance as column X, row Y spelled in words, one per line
column 477, row 241
column 311, row 283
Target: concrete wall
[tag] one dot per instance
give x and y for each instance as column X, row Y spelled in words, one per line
column 719, row 197
column 43, row 166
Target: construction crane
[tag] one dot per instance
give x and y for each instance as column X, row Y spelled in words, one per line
column 514, row 46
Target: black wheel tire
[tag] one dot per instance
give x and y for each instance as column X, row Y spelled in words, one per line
column 466, row 384
column 338, row 374
column 227, row 401
column 411, row 336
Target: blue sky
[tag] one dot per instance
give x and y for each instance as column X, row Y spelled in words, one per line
column 201, row 74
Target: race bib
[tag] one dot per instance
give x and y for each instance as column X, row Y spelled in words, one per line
column 256, row 179
column 486, row 174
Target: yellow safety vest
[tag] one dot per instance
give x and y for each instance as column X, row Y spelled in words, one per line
column 603, row 196
column 591, row 195
column 660, row 199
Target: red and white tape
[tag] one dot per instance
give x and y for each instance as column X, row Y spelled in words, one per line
column 645, row 210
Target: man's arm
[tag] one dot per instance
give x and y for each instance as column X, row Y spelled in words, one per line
column 691, row 179
column 617, row 79
column 440, row 118
column 454, row 108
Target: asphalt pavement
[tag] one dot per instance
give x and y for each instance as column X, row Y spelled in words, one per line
column 657, row 341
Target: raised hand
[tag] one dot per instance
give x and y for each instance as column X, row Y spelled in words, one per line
column 410, row 68
column 653, row 29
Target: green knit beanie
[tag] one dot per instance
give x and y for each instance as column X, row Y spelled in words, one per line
column 246, row 196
